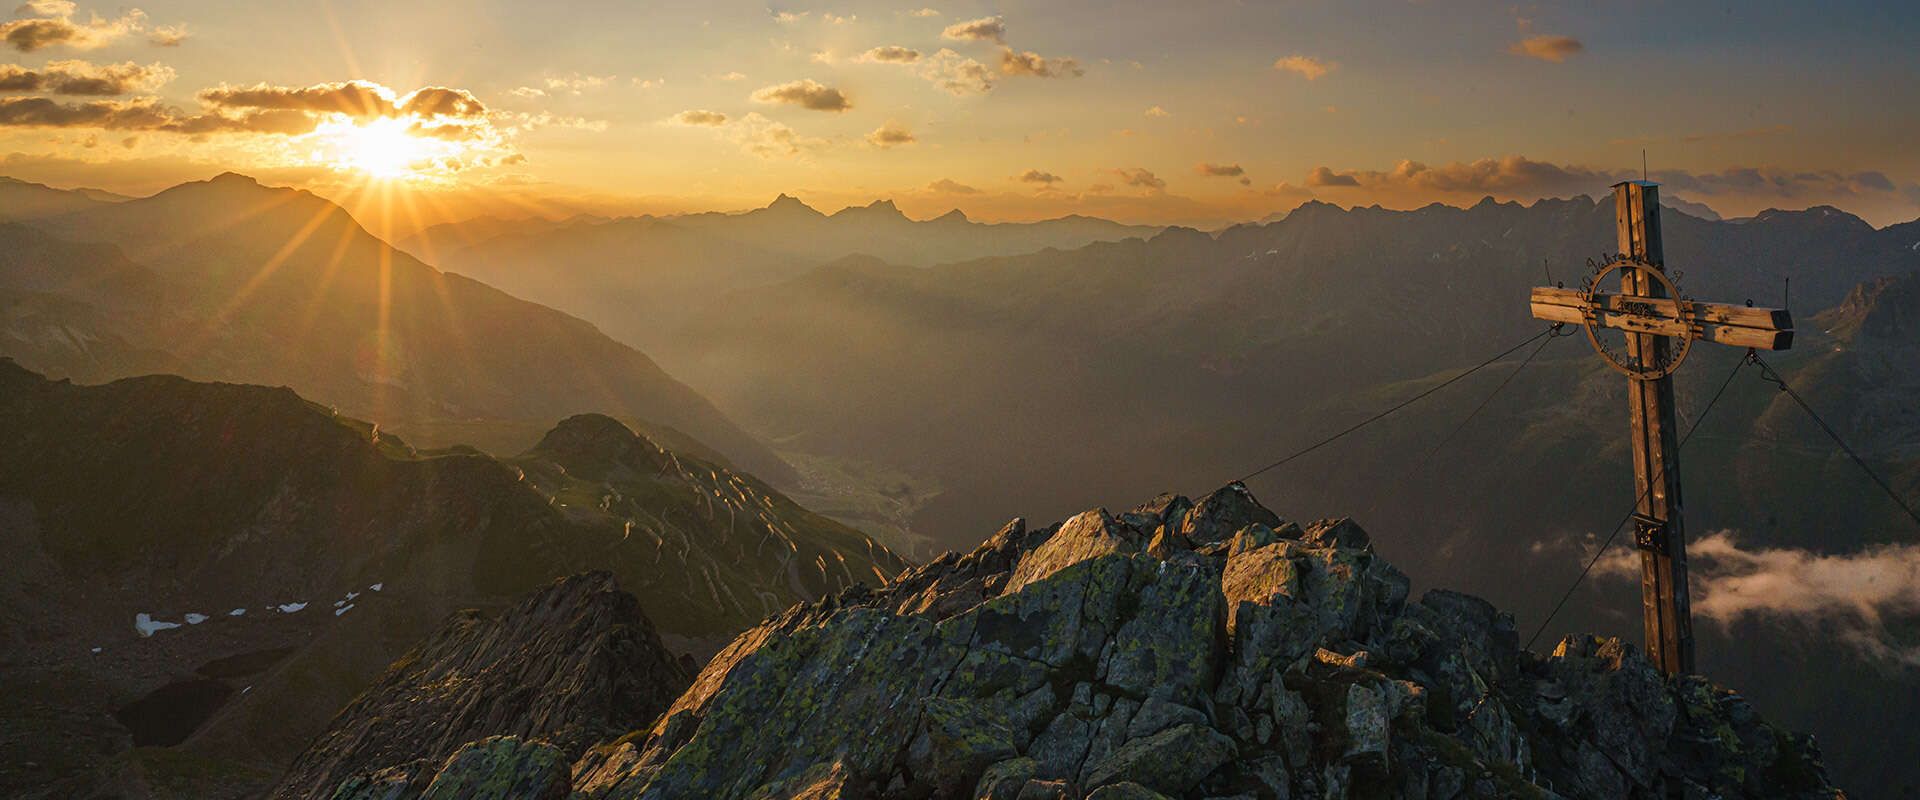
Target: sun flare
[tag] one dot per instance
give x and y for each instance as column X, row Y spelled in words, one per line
column 385, row 148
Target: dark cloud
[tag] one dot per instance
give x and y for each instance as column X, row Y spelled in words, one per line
column 1321, row 176
column 1037, row 176
column 52, row 24
column 83, row 78
column 1139, row 178
column 435, row 111
column 1219, row 170
column 891, row 54
column 356, row 98
column 28, row 35
column 41, row 112
column 890, row 135
column 1547, row 48
column 806, row 94
column 984, row 29
column 142, row 115
column 1035, row 65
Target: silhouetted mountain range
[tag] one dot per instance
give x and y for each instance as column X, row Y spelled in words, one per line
column 641, row 275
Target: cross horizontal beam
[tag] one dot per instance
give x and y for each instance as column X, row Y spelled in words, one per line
column 1720, row 323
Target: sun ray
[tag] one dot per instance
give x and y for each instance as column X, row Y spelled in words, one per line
column 219, row 318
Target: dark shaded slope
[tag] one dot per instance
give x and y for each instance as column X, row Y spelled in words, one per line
column 175, row 504
column 568, row 666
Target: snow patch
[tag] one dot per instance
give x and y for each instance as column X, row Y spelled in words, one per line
column 378, row 586
column 237, row 612
column 95, row 650
column 147, row 625
column 339, row 611
column 195, row 619
column 288, row 608
column 351, row 595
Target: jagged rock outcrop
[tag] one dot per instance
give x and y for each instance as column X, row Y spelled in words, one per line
column 1185, row 649
column 573, row 664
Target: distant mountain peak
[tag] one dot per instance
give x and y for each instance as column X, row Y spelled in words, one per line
column 1815, row 215
column 233, row 179
column 878, row 209
column 589, row 443
column 788, row 204
column 952, row 217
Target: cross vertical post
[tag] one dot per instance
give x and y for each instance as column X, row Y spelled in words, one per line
column 1660, row 326
column 1660, row 532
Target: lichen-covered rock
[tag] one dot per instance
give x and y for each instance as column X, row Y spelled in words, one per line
column 501, row 768
column 1172, row 761
column 1243, row 656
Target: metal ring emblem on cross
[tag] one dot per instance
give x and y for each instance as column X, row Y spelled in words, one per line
column 1650, row 316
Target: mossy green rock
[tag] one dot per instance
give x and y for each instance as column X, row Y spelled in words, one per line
column 501, row 768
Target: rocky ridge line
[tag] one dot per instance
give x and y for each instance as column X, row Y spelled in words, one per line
column 1184, row 649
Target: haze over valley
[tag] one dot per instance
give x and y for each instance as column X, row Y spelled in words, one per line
column 967, row 401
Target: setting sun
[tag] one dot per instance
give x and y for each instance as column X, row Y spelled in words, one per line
column 385, row 148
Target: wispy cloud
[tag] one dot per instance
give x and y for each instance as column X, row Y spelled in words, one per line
column 950, row 186
column 1547, row 47
column 890, row 54
column 700, row 117
column 1139, row 178
column 1013, row 62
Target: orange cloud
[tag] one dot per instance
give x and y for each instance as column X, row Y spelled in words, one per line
column 1547, row 48
column 1306, row 66
column 984, row 29
column 890, row 135
column 807, row 93
column 1322, row 176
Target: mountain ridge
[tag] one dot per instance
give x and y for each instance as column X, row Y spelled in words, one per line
column 280, row 286
column 142, row 513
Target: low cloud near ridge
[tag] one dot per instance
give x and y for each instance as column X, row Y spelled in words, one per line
column 1849, row 596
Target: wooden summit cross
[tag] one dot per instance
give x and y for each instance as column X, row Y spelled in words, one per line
column 1659, row 326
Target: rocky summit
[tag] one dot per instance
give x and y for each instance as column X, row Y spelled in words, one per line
column 1178, row 649
column 572, row 664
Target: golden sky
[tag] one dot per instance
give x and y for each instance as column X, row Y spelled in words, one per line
column 1194, row 113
